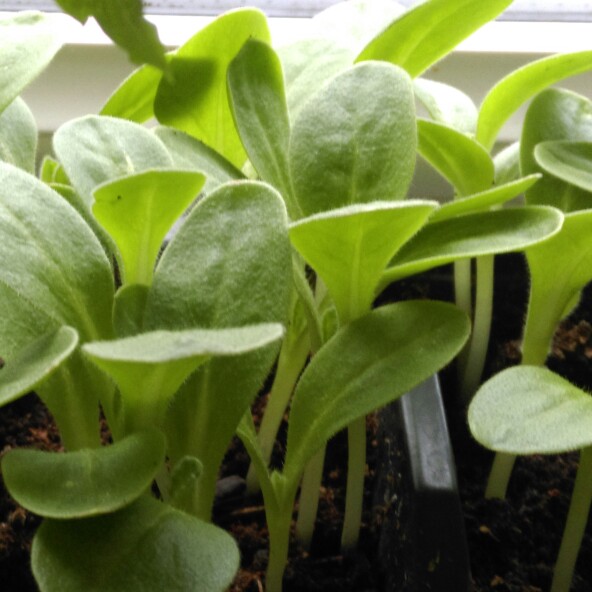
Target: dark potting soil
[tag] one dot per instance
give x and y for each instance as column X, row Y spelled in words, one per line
column 513, row 543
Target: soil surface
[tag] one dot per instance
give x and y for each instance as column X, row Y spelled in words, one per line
column 513, row 544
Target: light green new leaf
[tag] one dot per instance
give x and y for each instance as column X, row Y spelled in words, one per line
column 354, row 141
column 194, row 99
column 429, row 31
column 307, row 65
column 447, row 105
column 522, row 84
column 138, row 211
column 125, row 25
column 96, row 149
column 484, row 200
column 34, row 363
column 28, row 42
column 87, row 482
column 531, row 410
column 258, row 104
column 349, row 248
column 368, row 364
column 567, row 259
column 189, row 154
column 228, row 266
column 184, row 476
column 555, row 115
column 459, row 159
column 569, row 161
column 18, row 136
column 146, row 547
column 482, row 233
column 355, row 22
column 53, row 261
column 150, row 367
column 134, row 98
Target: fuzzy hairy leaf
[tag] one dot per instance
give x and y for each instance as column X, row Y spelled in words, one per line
column 145, row 547
column 201, row 109
column 531, row 410
column 369, row 363
column 18, row 136
column 87, row 482
column 427, row 32
column 35, row 362
column 28, row 42
column 95, row 149
column 354, row 140
column 472, row 235
column 569, row 161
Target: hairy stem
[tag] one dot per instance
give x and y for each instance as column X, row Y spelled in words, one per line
column 309, row 498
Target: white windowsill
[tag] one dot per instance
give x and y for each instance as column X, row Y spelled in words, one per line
column 89, row 68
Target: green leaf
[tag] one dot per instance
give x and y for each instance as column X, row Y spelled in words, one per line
column 184, row 476
column 555, row 115
column 354, row 140
column 201, row 108
column 459, row 159
column 150, row 367
column 28, row 42
column 567, row 258
column 18, row 136
column 52, row 172
column 429, row 31
column 473, row 235
column 531, row 410
column 350, row 247
column 447, row 105
column 258, row 104
column 189, row 154
column 354, row 23
column 507, row 164
column 34, row 363
column 307, row 65
column 146, row 547
column 134, row 98
column 96, row 149
column 86, row 482
column 569, row 161
column 53, row 261
column 484, row 200
column 234, row 235
column 515, row 89
column 368, row 364
column 139, row 210
column 124, row 23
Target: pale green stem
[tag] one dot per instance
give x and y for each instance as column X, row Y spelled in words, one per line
column 477, row 351
column 500, row 474
column 462, row 286
column 204, row 494
column 309, row 498
column 575, row 526
column 292, row 358
column 356, row 469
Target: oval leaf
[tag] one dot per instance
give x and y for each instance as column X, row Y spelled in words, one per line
column 429, row 31
column 87, row 482
column 368, row 364
column 483, row 233
column 354, row 140
column 569, row 161
column 531, row 410
column 18, row 136
column 146, row 547
column 23, row 372
column 96, row 149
